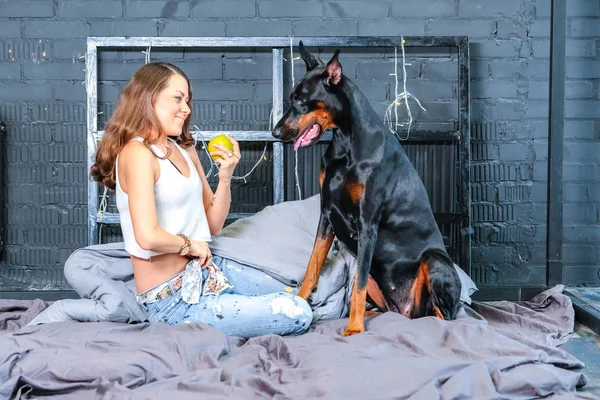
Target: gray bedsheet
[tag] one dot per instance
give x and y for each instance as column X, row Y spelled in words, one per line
column 501, row 350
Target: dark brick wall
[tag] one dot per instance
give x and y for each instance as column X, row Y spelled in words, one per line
column 42, row 99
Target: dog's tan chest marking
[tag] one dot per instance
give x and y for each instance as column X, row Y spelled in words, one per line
column 356, row 190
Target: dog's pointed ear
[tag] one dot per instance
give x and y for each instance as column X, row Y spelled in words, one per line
column 311, row 61
column 334, row 70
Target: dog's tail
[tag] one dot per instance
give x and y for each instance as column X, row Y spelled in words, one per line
column 436, row 288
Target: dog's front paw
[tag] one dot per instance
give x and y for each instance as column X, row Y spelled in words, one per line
column 353, row 330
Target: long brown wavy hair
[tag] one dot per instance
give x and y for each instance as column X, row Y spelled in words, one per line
column 135, row 116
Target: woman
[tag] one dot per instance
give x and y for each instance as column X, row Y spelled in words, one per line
column 168, row 213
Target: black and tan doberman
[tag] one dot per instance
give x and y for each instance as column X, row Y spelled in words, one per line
column 372, row 200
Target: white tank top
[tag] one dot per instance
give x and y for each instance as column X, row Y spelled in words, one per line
column 179, row 204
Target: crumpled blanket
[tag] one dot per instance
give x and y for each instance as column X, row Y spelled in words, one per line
column 498, row 350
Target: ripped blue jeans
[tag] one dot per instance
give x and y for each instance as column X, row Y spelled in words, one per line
column 257, row 304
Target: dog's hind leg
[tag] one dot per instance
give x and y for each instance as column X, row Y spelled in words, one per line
column 323, row 242
column 436, row 288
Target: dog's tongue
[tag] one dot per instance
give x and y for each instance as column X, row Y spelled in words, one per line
column 306, row 137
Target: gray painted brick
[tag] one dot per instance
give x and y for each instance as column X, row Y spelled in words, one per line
column 70, row 92
column 224, row 8
column 483, row 192
column 12, row 112
column 580, row 69
column 582, row 109
column 486, row 8
column 474, row 28
column 57, row 236
column 425, row 90
column 9, row 71
column 375, row 91
column 156, row 9
column 72, row 173
column 17, row 153
column 483, row 151
column 581, row 233
column 392, row 27
column 70, row 133
column 107, row 91
column 287, row 8
column 512, row 29
column 492, row 212
column 575, row 129
column 585, row 151
column 90, row 9
column 249, row 69
column 574, row 48
column 488, row 131
column 536, row 109
column 493, row 172
column 506, row 69
column 515, row 151
column 192, row 28
column 381, row 71
column 573, row 90
column 25, row 92
column 440, row 70
column 336, row 27
column 538, row 69
column 423, row 8
column 222, row 91
column 118, row 71
column 496, row 48
column 123, row 28
column 494, row 89
column 540, row 28
column 480, row 69
column 580, row 213
column 27, row 9
column 63, row 152
column 357, row 9
column 10, row 29
column 57, row 29
column 202, row 70
column 578, row 254
column 578, row 275
column 480, row 110
column 58, row 112
column 514, row 193
column 50, row 71
column 581, row 192
column 577, row 172
column 257, row 27
column 28, row 216
column 27, row 133
column 585, row 28
column 507, row 111
column 578, row 90
column 540, row 149
column 73, row 50
column 36, row 50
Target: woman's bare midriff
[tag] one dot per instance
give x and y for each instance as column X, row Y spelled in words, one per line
column 149, row 273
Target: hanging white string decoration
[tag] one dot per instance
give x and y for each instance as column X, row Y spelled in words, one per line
column 399, row 97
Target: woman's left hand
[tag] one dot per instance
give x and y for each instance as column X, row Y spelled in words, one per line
column 228, row 159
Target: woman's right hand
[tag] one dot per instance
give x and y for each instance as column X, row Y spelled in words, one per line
column 200, row 250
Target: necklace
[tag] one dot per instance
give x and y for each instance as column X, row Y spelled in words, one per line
column 168, row 152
